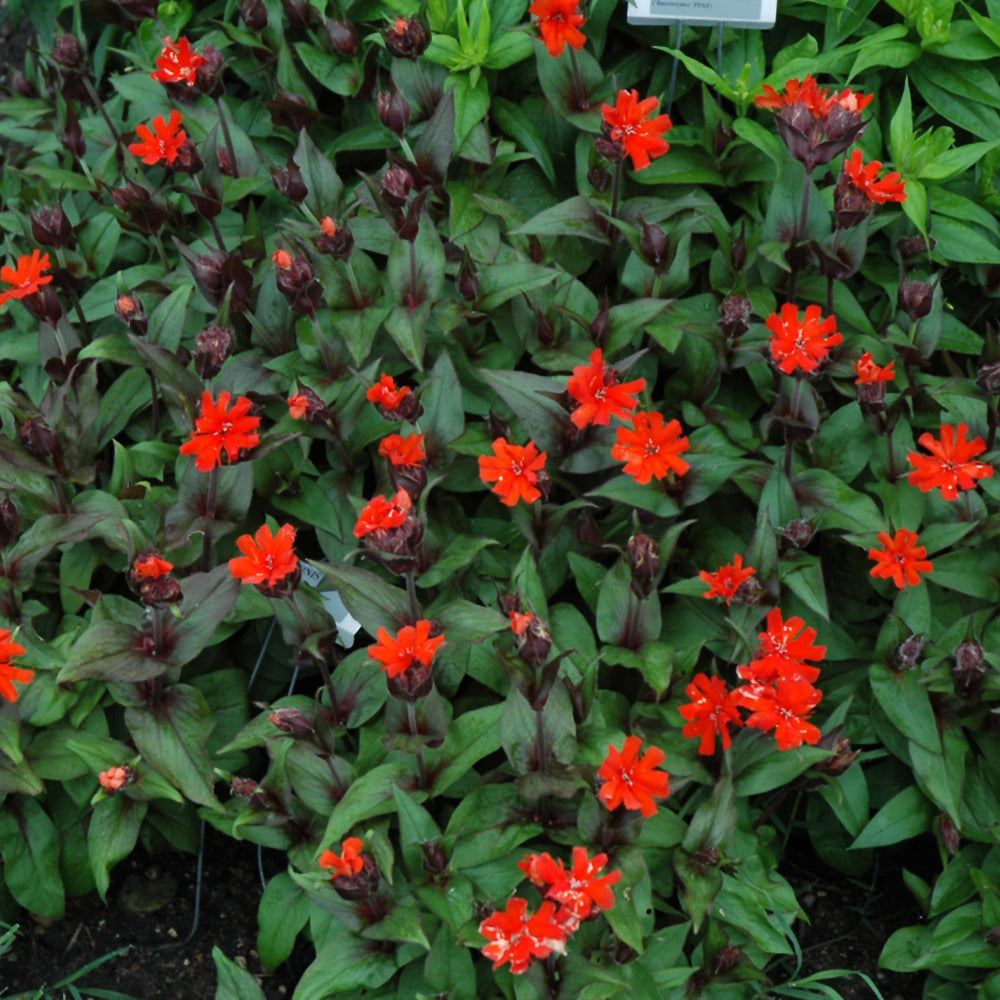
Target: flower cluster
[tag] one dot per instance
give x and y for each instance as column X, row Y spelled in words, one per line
column 778, row 690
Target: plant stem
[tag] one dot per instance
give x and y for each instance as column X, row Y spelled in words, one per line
column 411, row 720
column 324, row 671
column 616, row 190
column 156, row 621
column 155, row 397
column 99, row 104
column 580, row 102
column 230, row 149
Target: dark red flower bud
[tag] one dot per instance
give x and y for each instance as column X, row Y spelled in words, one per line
column 533, row 638
column 913, row 246
column 734, row 315
column 343, row 36
column 10, row 522
column 300, row 13
column 335, row 239
column 654, row 243
column 225, row 162
column 908, row 653
column 21, row 85
column 160, row 592
column 600, row 326
column 969, row 669
column 50, row 227
column 406, row 37
column 612, row 150
column 644, row 555
column 600, row 179
column 293, row 721
column 871, row 396
column 36, row 435
column 291, row 111
column 412, row 478
column 361, row 885
column 298, row 284
column 393, row 110
column 707, row 857
column 468, row 280
column 208, row 76
column 214, row 272
column 851, row 205
column 798, row 533
column 396, row 185
column 751, row 591
column 144, row 212
column 988, row 378
column 414, row 683
column 253, row 13
column 739, row 249
column 727, row 959
column 245, row 788
column 188, row 161
column 588, row 530
column 212, row 347
column 949, row 834
column 129, row 310
column 916, row 298
column 139, row 10
column 435, row 860
column 288, row 180
column 72, row 137
column 841, row 758
column 67, row 52
column 44, row 305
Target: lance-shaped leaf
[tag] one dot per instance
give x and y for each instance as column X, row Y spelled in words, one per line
column 112, row 834
column 208, row 598
column 29, row 844
column 113, row 652
column 42, row 537
column 372, row 601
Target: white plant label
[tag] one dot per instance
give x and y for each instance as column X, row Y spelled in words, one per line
column 731, row 13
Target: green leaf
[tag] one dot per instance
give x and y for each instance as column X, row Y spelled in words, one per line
column 172, row 735
column 110, row 651
column 907, row 814
column 235, row 983
column 520, row 126
column 906, row 703
column 778, row 769
column 471, row 737
column 283, row 912
column 528, row 396
column 371, row 600
column 576, row 216
column 29, row 845
column 345, row 963
column 325, row 187
column 370, row 795
column 112, row 834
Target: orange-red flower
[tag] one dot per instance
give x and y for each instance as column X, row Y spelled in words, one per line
column 818, row 102
column 514, row 469
column 8, row 672
column 298, row 405
column 785, row 709
column 177, row 63
column 633, row 780
column 163, row 143
column 27, row 277
column 411, row 644
column 220, row 433
column 282, row 258
column 783, row 651
column 114, row 779
column 628, row 124
column 348, row 862
column 599, row 395
column 403, row 451
column 890, row 188
column 651, row 448
column 869, row 373
column 267, row 558
column 900, row 558
column 521, row 622
column 801, row 343
column 726, row 580
column 559, row 23
column 712, row 709
column 950, row 464
column 519, row 938
column 381, row 514
column 385, row 392
column 582, row 890
column 151, row 566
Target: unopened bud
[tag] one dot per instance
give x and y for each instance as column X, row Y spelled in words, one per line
column 212, row 347
column 916, row 298
column 496, row 427
column 288, row 180
column 253, row 13
column 468, row 280
column 292, row 721
column 406, row 37
column 21, row 85
column 913, row 246
column 72, row 137
column 44, row 305
column 128, row 308
column 307, row 405
column 969, row 669
column 644, row 555
column 840, row 759
column 36, row 435
column 734, row 315
column 297, row 282
column 300, row 13
column 654, row 243
column 50, row 227
column 908, row 653
column 343, row 36
column 949, row 834
column 612, row 150
column 396, row 185
column 393, row 110
column 600, row 179
column 335, row 239
column 851, row 205
column 10, row 522
column 67, row 52
column 798, row 533
column 208, row 76
column 588, row 530
column 988, row 378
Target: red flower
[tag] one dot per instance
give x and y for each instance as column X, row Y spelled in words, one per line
column 165, row 144
column 384, row 391
column 27, row 278
column 221, row 432
column 890, row 188
column 403, row 451
column 950, row 464
column 282, row 258
column 514, row 469
column 582, row 890
column 114, row 779
column 348, row 862
column 520, row 623
column 869, row 373
column 807, row 93
column 713, row 707
column 726, row 580
column 785, row 708
column 412, row 644
column 628, row 124
column 267, row 558
column 8, row 672
column 650, row 448
column 177, row 63
column 783, row 651
column 298, row 406
column 801, row 343
column 151, row 566
column 559, row 22
column 632, row 780
column 599, row 395
column 900, row 558
column 380, row 514
column 518, row 938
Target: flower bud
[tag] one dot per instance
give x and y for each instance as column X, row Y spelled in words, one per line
column 468, row 280
column 142, row 210
column 129, row 310
column 393, row 110
column 533, row 638
column 396, row 185
column 871, row 396
column 406, row 37
column 208, row 76
column 969, row 669
column 600, row 179
column 612, row 150
column 114, row 779
column 414, row 683
column 751, row 591
column 216, row 272
column 72, row 137
column 707, row 857
column 291, row 111
column 253, row 13
column 360, row 885
column 988, row 378
column 435, row 860
column 36, row 435
column 336, row 240
column 50, row 227
column 588, row 530
column 10, row 522
column 161, row 592
column 734, row 315
column 913, row 246
column 851, row 205
column 189, row 162
column 300, row 13
column 307, row 405
column 67, row 52
column 798, row 533
column 841, row 757
column 44, row 305
column 212, row 347
column 21, row 85
column 297, row 282
column 293, row 721
column 644, row 555
column 343, row 36
column 224, row 161
column 288, row 180
column 654, row 243
column 949, row 833
column 916, row 298
column 908, row 653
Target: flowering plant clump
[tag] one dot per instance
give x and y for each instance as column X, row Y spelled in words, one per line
column 536, row 485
